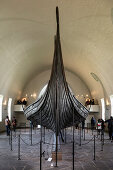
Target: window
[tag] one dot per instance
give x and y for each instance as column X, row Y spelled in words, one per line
column 9, row 108
column 103, row 108
column 1, row 100
column 111, row 99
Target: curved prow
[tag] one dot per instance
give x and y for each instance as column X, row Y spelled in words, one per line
column 57, row 19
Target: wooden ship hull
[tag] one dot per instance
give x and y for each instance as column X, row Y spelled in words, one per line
column 57, row 108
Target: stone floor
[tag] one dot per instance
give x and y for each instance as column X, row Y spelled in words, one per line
column 30, row 155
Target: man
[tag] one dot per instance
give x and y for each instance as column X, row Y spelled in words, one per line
column 7, row 124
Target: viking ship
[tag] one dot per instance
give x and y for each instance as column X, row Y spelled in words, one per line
column 57, row 108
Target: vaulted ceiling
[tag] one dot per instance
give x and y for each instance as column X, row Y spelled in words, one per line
column 27, row 30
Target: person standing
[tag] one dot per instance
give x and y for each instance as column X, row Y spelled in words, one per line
column 14, row 123
column 109, row 127
column 99, row 126
column 7, row 124
column 93, row 121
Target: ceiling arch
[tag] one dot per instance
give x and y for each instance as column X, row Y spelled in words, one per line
column 27, row 30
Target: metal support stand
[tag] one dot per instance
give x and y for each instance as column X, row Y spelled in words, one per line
column 80, row 135
column 94, row 147
column 19, row 147
column 56, row 149
column 44, row 135
column 41, row 142
column 65, row 135
column 87, row 128
column 73, row 141
column 84, row 133
column 102, row 142
column 31, row 133
column 103, row 137
column 40, row 155
column 101, row 134
column 11, row 139
column 78, row 129
column 97, row 132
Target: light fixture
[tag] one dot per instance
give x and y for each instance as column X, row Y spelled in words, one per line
column 5, row 102
column 34, row 95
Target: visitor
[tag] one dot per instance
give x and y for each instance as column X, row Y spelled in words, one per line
column 14, row 122
column 19, row 102
column 92, row 102
column 99, row 126
column 7, row 124
column 102, row 126
column 93, row 121
column 24, row 102
column 109, row 127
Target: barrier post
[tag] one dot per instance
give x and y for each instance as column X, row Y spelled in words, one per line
column 102, row 143
column 65, row 135
column 19, row 147
column 101, row 134
column 44, row 135
column 73, row 141
column 41, row 141
column 11, row 139
column 87, row 127
column 84, row 133
column 97, row 131
column 103, row 137
column 56, row 150
column 31, row 132
column 80, row 135
column 94, row 147
column 78, row 129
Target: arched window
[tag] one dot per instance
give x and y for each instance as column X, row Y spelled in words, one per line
column 9, row 108
column 111, row 99
column 103, row 108
column 1, row 100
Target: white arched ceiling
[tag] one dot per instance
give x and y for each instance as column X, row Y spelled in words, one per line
column 27, row 30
